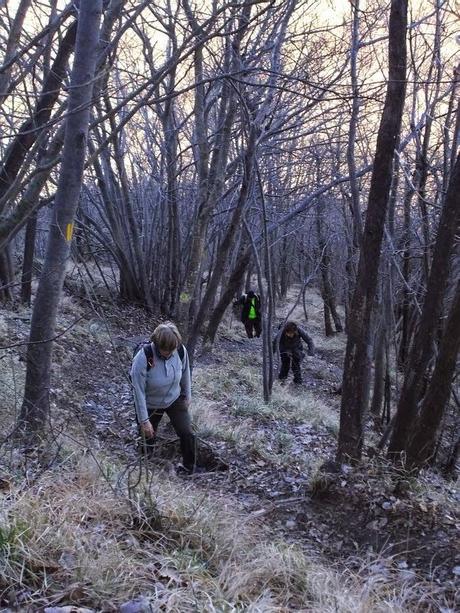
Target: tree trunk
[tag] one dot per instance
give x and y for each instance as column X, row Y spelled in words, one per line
column 204, row 206
column 27, row 265
column 6, row 274
column 173, row 266
column 405, row 308
column 355, row 379
column 30, row 200
column 421, row 447
column 135, row 228
column 449, row 468
column 327, row 291
column 268, row 310
column 328, row 329
column 267, row 360
column 351, row 162
column 129, row 286
column 11, row 46
column 422, row 346
column 285, row 267
column 211, row 169
column 379, row 374
column 234, row 283
column 35, row 408
column 226, row 243
column 30, row 130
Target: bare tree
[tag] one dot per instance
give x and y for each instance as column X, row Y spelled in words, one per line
column 35, row 408
column 356, row 368
column 422, row 347
column 422, row 444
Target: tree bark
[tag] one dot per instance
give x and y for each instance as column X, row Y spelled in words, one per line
column 422, row 346
column 327, row 291
column 405, row 307
column 421, row 447
column 6, row 274
column 30, row 200
column 268, row 309
column 172, row 285
column 27, row 264
column 211, row 169
column 379, row 373
column 355, row 378
column 30, row 130
column 35, row 407
column 351, row 161
column 267, row 354
column 11, row 46
column 226, row 243
column 234, row 283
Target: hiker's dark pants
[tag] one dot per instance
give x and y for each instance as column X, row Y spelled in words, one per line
column 291, row 360
column 182, row 424
column 253, row 327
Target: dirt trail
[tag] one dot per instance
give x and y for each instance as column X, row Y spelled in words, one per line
column 273, row 455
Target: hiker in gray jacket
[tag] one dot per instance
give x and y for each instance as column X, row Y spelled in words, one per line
column 162, row 384
column 289, row 339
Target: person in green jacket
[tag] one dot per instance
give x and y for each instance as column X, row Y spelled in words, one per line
column 250, row 313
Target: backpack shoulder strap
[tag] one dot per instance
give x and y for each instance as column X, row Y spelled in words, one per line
column 181, row 352
column 148, row 350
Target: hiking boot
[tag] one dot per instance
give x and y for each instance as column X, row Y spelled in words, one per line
column 192, row 470
column 297, row 381
column 282, row 381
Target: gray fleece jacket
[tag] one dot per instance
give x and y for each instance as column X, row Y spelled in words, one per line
column 162, row 385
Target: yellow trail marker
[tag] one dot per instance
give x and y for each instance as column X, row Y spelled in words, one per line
column 69, row 231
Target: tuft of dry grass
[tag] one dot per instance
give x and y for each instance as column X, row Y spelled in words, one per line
column 12, row 378
column 73, row 539
column 228, row 406
column 239, row 390
column 77, row 534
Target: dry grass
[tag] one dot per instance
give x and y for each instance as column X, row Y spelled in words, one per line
column 228, row 407
column 72, row 535
column 238, row 389
column 72, row 539
column 12, row 377
column 10, row 367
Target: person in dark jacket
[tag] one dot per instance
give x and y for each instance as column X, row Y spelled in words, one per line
column 289, row 339
column 250, row 313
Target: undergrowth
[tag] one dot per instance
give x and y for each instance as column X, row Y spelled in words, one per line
column 76, row 538
column 92, row 531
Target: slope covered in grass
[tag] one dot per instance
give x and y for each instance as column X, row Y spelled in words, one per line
column 86, row 521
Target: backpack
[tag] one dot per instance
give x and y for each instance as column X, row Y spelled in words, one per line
column 148, row 350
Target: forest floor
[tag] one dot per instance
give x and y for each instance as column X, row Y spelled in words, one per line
column 89, row 522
